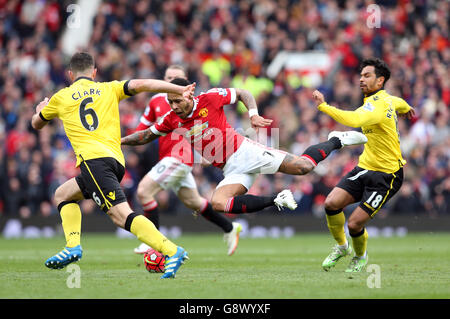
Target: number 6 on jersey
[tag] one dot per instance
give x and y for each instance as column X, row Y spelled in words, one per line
column 85, row 112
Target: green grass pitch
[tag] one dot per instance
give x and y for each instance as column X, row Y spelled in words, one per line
column 414, row 266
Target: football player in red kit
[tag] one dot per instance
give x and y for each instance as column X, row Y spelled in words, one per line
column 174, row 171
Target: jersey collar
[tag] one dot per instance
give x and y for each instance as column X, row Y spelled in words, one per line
column 194, row 108
column 379, row 92
column 373, row 93
column 83, row 77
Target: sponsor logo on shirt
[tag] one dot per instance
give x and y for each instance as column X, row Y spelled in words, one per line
column 197, row 129
column 368, row 106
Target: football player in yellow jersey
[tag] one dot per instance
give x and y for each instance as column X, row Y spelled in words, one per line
column 379, row 173
column 89, row 111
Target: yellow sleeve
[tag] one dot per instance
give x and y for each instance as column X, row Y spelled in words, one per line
column 50, row 111
column 367, row 114
column 120, row 88
column 400, row 105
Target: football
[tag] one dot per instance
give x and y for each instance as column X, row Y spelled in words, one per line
column 154, row 261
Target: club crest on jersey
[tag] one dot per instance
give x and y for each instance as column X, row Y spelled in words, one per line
column 203, row 112
column 197, row 129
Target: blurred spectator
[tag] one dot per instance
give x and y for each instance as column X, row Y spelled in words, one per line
column 229, row 43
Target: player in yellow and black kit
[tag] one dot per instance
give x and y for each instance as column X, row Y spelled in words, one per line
column 89, row 111
column 379, row 173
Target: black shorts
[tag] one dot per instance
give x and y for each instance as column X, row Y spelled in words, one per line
column 372, row 188
column 100, row 181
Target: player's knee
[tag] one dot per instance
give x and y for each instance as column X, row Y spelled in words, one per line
column 331, row 204
column 60, row 195
column 305, row 166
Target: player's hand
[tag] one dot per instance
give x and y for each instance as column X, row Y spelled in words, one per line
column 258, row 121
column 410, row 114
column 318, row 97
column 189, row 91
column 41, row 105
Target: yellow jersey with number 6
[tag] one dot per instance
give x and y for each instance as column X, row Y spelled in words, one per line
column 89, row 112
column 377, row 119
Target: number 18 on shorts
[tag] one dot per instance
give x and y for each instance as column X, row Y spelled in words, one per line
column 372, row 188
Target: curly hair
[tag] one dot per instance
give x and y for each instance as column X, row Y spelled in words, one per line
column 381, row 68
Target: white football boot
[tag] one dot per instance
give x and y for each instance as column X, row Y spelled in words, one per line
column 232, row 238
column 285, row 199
column 349, row 138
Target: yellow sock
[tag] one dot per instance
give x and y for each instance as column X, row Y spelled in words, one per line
column 336, row 226
column 146, row 232
column 71, row 223
column 360, row 243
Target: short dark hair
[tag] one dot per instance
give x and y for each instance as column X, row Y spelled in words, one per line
column 81, row 61
column 381, row 68
column 180, row 81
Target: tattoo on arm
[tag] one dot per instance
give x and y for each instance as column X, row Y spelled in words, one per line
column 247, row 98
column 139, row 138
column 295, row 165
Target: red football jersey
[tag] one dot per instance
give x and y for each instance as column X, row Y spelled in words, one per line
column 170, row 145
column 206, row 128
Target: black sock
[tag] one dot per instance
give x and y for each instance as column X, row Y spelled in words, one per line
column 319, row 152
column 217, row 218
column 248, row 204
column 153, row 216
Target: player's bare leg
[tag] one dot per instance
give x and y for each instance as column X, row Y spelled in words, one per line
column 66, row 198
column 146, row 192
column 191, row 198
column 335, row 201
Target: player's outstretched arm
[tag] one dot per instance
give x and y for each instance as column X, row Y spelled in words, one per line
column 139, row 138
column 250, row 103
column 357, row 118
column 136, row 86
column 36, row 121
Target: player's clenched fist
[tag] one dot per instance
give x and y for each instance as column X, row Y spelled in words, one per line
column 41, row 105
column 318, row 97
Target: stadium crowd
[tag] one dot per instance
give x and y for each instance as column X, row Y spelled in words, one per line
column 229, row 43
